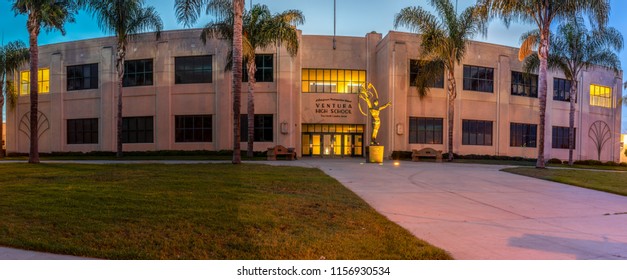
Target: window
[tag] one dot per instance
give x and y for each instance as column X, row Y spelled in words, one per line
column 600, row 96
column 193, row 128
column 478, row 78
column 82, row 131
column 560, row 137
column 82, row 77
column 192, row 70
column 138, row 73
column 477, row 132
column 332, row 80
column 522, row 135
column 43, row 81
column 425, row 130
column 414, row 71
column 524, row 84
column 263, row 128
column 561, row 90
column 264, row 71
column 137, row 129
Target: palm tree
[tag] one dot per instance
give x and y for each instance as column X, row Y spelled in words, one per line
column 188, row 11
column 573, row 49
column 49, row 14
column 12, row 56
column 261, row 29
column 542, row 13
column 124, row 18
column 443, row 44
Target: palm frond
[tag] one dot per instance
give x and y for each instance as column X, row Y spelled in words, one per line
column 188, row 11
column 527, row 47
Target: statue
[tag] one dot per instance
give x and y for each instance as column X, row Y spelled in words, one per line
column 370, row 95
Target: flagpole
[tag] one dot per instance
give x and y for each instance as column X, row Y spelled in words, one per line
column 334, row 19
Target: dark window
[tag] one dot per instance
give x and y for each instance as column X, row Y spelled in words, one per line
column 264, row 71
column 138, row 73
column 82, row 77
column 561, row 90
column 477, row 132
column 524, row 84
column 82, row 131
column 478, row 78
column 263, row 128
column 194, row 128
column 414, row 71
column 522, row 134
column 137, row 130
column 425, row 130
column 560, row 137
column 192, row 69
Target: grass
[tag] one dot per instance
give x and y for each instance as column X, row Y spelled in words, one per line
column 199, row 211
column 612, row 182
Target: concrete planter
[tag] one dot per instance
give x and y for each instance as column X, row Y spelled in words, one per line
column 375, row 154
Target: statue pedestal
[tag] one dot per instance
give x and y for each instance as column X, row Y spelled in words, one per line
column 375, row 154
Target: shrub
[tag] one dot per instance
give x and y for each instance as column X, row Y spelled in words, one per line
column 555, row 161
column 624, row 164
column 588, row 162
column 611, row 163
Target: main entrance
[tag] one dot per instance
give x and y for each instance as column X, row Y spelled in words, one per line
column 333, row 140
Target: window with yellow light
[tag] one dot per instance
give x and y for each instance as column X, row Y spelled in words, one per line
column 332, row 80
column 600, row 96
column 44, row 81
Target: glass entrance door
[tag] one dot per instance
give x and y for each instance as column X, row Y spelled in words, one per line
column 332, row 140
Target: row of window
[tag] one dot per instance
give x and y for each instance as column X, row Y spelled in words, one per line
column 477, row 78
column 198, row 69
column 187, row 70
column 478, row 132
column 187, row 128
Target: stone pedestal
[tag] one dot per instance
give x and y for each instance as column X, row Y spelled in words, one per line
column 375, row 154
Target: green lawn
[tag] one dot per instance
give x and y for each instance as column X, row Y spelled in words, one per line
column 200, row 211
column 612, row 182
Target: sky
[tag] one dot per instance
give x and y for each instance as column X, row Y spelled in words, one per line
column 354, row 18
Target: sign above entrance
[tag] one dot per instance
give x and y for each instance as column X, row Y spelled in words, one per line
column 334, row 107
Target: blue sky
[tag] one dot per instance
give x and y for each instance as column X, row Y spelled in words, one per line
column 354, row 18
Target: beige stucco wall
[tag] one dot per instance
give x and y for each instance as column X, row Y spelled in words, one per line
column 385, row 60
column 4, row 135
column 500, row 107
column 623, row 143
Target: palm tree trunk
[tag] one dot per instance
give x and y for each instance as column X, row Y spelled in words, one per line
column 543, row 54
column 2, row 86
column 33, row 32
column 119, row 65
column 452, row 94
column 571, row 122
column 252, row 68
column 238, row 9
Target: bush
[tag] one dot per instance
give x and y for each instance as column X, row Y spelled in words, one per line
column 624, row 164
column 555, row 161
column 396, row 155
column 611, row 163
column 588, row 162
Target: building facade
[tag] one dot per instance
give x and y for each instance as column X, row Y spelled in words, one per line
column 177, row 96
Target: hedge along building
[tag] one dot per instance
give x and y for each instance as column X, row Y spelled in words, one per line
column 177, row 97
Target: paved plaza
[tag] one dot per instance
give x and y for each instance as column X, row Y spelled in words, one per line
column 474, row 211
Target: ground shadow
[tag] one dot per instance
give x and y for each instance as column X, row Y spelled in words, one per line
column 581, row 248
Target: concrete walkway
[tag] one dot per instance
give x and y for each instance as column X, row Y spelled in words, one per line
column 473, row 211
column 478, row 212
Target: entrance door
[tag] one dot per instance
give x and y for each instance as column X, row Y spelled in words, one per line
column 332, row 140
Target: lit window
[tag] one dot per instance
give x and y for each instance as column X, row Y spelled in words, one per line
column 332, row 80
column 600, row 96
column 44, row 81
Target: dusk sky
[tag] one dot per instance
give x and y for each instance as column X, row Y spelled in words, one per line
column 354, row 18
